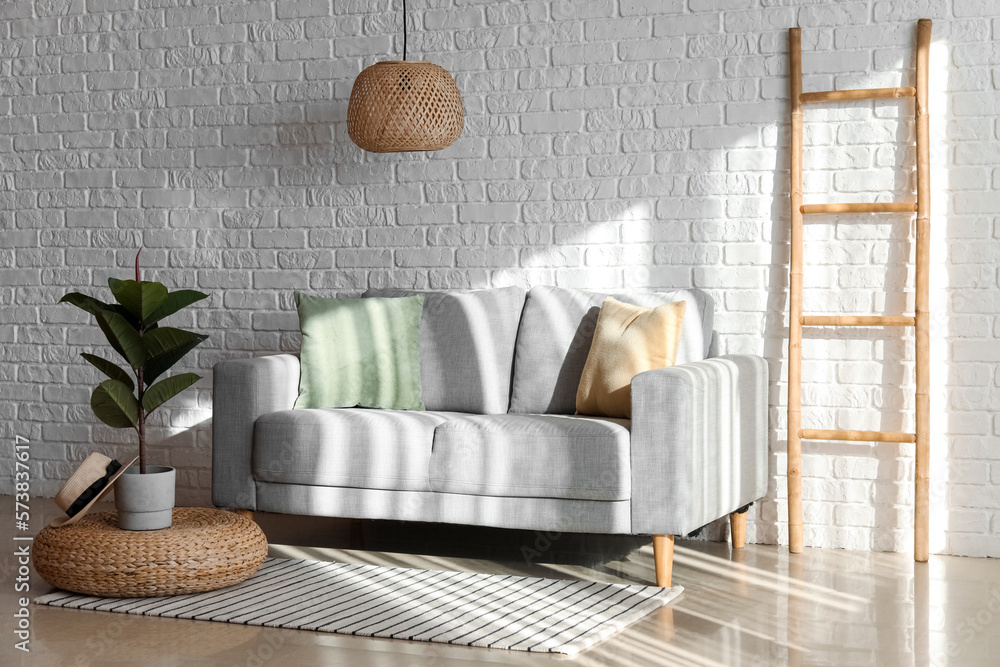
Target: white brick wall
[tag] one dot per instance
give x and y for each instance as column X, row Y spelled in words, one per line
column 608, row 144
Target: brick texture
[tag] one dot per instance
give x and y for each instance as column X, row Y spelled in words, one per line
column 608, row 144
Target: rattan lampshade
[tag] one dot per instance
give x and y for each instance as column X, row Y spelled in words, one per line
column 398, row 106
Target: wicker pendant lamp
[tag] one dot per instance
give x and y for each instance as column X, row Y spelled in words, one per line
column 398, row 106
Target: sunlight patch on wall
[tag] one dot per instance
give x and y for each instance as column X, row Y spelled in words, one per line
column 595, row 255
column 939, row 329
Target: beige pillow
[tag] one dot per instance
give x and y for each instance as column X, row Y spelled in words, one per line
column 627, row 341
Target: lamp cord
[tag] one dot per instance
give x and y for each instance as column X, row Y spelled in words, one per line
column 404, row 30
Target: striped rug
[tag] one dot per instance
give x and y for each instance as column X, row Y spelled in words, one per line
column 491, row 610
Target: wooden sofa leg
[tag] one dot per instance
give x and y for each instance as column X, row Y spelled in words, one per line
column 738, row 528
column 246, row 514
column 663, row 557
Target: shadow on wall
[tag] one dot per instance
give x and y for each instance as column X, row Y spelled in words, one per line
column 651, row 241
column 184, row 444
column 863, row 265
column 863, row 378
column 633, row 242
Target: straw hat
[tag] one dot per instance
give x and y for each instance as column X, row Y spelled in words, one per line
column 91, row 482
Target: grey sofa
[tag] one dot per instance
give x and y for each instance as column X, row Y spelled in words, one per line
column 498, row 444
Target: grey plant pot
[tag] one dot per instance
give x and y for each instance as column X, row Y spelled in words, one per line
column 145, row 502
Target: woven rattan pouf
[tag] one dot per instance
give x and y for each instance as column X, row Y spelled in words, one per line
column 203, row 550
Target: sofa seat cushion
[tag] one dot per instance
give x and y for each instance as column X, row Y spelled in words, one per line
column 352, row 447
column 548, row 456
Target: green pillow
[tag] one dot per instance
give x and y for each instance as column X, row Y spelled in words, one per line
column 360, row 352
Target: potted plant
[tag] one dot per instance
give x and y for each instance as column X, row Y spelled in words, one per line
column 144, row 497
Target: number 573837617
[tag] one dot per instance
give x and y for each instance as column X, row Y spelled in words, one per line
column 22, row 481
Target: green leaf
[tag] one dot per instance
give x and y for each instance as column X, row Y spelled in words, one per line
column 114, row 404
column 165, row 346
column 113, row 371
column 140, row 299
column 84, row 302
column 93, row 306
column 174, row 302
column 122, row 336
column 166, row 389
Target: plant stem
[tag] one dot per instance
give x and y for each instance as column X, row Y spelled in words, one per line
column 141, row 427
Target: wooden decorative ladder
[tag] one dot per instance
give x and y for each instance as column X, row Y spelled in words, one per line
column 919, row 320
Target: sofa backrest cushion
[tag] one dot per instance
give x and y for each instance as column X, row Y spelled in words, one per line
column 557, row 328
column 467, row 347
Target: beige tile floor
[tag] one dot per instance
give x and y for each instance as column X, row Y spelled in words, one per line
column 759, row 606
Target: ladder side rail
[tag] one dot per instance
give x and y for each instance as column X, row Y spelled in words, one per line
column 922, row 302
column 794, row 447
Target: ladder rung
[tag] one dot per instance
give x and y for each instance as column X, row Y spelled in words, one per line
column 857, row 436
column 859, row 94
column 858, row 321
column 860, row 207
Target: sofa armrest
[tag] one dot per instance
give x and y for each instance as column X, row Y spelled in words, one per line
column 699, row 442
column 245, row 389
